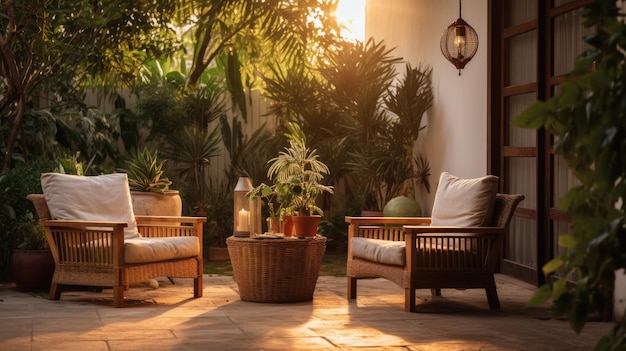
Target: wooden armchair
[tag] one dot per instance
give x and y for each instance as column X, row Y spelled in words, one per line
column 100, row 253
column 416, row 255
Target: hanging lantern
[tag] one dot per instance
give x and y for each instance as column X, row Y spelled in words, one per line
column 459, row 42
column 246, row 212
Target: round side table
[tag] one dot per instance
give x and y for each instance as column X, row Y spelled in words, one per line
column 276, row 270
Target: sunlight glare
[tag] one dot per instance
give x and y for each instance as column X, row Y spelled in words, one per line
column 351, row 13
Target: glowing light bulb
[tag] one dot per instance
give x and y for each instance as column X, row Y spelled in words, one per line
column 459, row 40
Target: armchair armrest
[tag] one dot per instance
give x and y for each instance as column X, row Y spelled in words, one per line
column 170, row 226
column 78, row 241
column 169, row 219
column 452, row 231
column 82, row 224
column 388, row 220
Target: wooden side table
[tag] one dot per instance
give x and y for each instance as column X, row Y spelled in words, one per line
column 276, row 270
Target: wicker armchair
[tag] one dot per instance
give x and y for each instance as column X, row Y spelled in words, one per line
column 414, row 254
column 95, row 252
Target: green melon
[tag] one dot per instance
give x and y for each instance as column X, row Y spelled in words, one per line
column 402, row 206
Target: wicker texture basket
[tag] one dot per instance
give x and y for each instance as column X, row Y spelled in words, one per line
column 276, row 270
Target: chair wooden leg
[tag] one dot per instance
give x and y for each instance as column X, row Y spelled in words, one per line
column 352, row 288
column 118, row 296
column 409, row 300
column 492, row 295
column 55, row 291
column 435, row 292
column 197, row 287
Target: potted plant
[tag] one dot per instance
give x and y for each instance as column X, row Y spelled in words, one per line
column 149, row 187
column 25, row 257
column 31, row 264
column 279, row 219
column 297, row 174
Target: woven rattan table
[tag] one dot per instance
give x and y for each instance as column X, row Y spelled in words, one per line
column 276, row 270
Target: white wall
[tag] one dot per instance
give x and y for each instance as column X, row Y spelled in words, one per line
column 619, row 307
column 455, row 139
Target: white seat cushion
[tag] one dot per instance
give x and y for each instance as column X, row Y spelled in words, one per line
column 95, row 198
column 381, row 251
column 464, row 202
column 144, row 250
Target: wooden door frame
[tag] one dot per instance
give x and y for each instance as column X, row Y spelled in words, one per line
column 497, row 151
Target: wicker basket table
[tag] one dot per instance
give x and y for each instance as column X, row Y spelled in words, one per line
column 276, row 270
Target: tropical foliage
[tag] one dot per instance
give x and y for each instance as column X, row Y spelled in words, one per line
column 178, row 75
column 364, row 125
column 587, row 120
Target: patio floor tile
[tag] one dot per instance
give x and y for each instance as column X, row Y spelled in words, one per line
column 169, row 318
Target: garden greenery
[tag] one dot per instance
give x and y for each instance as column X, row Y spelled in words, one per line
column 588, row 121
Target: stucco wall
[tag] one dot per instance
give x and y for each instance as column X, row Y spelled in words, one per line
column 455, row 138
column 619, row 307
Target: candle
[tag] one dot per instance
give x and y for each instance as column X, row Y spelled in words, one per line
column 242, row 225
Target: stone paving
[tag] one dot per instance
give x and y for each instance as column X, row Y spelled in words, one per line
column 168, row 318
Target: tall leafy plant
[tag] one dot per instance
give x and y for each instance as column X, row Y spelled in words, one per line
column 380, row 119
column 363, row 122
column 190, row 153
column 587, row 118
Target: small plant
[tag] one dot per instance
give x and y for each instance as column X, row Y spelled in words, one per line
column 145, row 172
column 297, row 174
column 71, row 165
column 31, row 233
column 268, row 193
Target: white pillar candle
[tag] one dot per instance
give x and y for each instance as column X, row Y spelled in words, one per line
column 242, row 225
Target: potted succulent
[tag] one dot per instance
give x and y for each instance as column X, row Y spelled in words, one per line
column 149, row 187
column 297, row 174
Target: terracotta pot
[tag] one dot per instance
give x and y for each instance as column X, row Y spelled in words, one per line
column 306, row 225
column 154, row 204
column 32, row 269
column 288, row 226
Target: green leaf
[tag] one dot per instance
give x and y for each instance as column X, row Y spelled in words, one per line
column 559, row 288
column 552, row 266
column 534, row 117
column 540, row 296
column 567, row 241
column 578, row 318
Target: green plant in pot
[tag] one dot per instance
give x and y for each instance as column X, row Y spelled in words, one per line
column 149, row 187
column 25, row 257
column 297, row 174
column 275, row 207
column 32, row 264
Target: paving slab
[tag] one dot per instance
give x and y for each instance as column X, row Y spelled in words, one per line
column 169, row 318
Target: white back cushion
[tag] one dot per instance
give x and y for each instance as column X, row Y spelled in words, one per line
column 464, row 202
column 94, row 198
